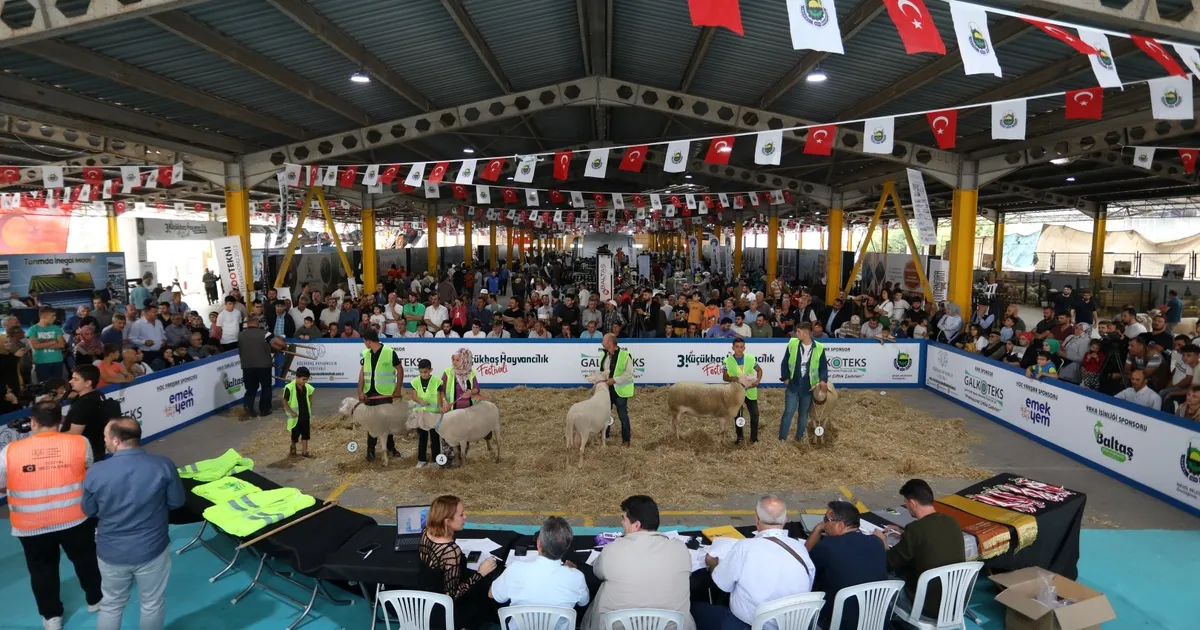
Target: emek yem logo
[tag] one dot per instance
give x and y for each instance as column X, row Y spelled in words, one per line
column 1110, row 446
column 1036, row 411
column 589, row 363
column 180, row 401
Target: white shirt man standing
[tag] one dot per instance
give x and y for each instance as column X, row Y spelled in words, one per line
column 300, row 311
column 757, row 570
column 230, row 321
column 544, row 580
column 435, row 313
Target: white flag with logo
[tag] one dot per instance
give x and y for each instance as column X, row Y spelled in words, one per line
column 576, row 199
column 677, row 156
column 512, row 215
column 1008, row 120
column 415, row 175
column 1103, row 64
column 612, row 216
column 769, row 147
column 291, row 174
column 619, row 201
column 926, row 228
column 558, row 216
column 1191, row 58
column 754, row 198
column 432, row 191
column 52, row 176
column 1171, row 98
column 724, row 199
column 129, row 179
column 525, row 168
column 879, row 135
column 1143, row 157
column 375, row 189
column 597, row 163
column 483, row 194
column 641, row 214
column 85, row 192
column 331, row 178
column 690, row 200
column 176, row 172
column 655, row 202
column 974, row 39
column 466, row 173
column 777, row 197
column 814, row 26
column 702, row 208
column 106, row 190
column 371, row 175
column 531, row 196
column 670, row 210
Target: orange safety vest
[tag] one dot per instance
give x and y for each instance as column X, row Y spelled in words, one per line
column 45, row 480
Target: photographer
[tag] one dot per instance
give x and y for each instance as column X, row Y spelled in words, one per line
column 88, row 414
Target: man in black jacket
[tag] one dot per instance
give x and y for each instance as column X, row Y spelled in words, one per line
column 835, row 315
column 273, row 321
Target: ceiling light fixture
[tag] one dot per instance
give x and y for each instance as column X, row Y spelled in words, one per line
column 1061, row 161
column 360, row 77
column 1070, row 179
column 687, row 176
column 468, row 150
column 816, row 76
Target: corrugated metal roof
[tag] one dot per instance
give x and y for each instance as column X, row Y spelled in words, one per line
column 264, row 29
column 652, row 41
column 568, row 125
column 535, row 41
column 419, row 40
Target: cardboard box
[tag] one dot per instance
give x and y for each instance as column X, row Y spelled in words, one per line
column 1019, row 590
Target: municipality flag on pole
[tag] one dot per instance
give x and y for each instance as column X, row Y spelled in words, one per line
column 814, row 25
column 1191, row 58
column 1171, row 98
column 526, row 165
column 331, row 178
column 655, row 202
column 677, row 156
column 879, row 135
column 576, row 199
column 466, row 173
column 597, row 163
column 974, row 40
column 1008, row 120
column 371, row 175
column 129, row 179
column 415, row 175
column 1103, row 64
column 1143, row 157
column 769, row 147
column 432, row 191
column 483, row 194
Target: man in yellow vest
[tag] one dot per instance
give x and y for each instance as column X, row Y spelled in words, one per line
column 619, row 365
column 804, row 368
column 379, row 382
column 736, row 365
column 297, row 405
column 424, row 393
column 43, row 475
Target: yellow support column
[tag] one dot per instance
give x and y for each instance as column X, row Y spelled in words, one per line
column 1099, row 228
column 431, row 228
column 114, row 241
column 494, row 262
column 772, row 248
column 510, row 233
column 237, row 213
column 965, row 205
column 998, row 245
column 521, row 243
column 700, row 244
column 833, row 256
column 468, row 249
column 737, row 248
column 369, row 258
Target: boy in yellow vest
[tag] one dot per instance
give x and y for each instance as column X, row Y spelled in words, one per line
column 424, row 393
column 297, row 404
column 737, row 364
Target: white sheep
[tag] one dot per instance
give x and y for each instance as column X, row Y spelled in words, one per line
column 379, row 421
column 704, row 400
column 460, row 427
column 590, row 417
column 821, row 414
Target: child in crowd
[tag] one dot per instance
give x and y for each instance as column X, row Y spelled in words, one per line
column 297, row 405
column 1012, row 353
column 424, row 392
column 378, row 321
column 1006, row 331
column 1093, row 361
column 1044, row 368
column 680, row 322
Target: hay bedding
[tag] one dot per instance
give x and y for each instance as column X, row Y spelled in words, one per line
column 879, row 440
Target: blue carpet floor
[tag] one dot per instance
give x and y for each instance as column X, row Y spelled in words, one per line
column 1148, row 575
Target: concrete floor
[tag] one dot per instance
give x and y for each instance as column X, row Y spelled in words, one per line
column 1111, row 504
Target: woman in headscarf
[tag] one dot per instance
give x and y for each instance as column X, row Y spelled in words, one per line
column 951, row 324
column 459, row 386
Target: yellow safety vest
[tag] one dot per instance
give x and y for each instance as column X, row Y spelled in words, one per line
column 382, row 374
column 626, row 390
column 225, row 489
column 735, row 370
column 448, row 380
column 427, row 394
column 213, row 469
column 814, row 360
column 249, row 513
column 293, row 416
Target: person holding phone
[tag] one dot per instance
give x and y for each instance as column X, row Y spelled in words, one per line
column 443, row 568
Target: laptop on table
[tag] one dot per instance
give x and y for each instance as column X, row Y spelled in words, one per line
column 410, row 522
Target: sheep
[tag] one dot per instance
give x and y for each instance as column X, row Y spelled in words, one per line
column 378, row 420
column 591, row 416
column 821, row 414
column 460, row 427
column 704, row 400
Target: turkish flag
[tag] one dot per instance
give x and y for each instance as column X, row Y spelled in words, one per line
column 1154, row 49
column 1188, row 157
column 346, row 177
column 562, row 164
column 916, row 27
column 820, row 140
column 633, row 158
column 570, row 217
column 198, row 207
column 1086, row 103
column 719, row 150
column 509, row 195
column 438, row 172
column 93, row 176
column 119, row 207
column 556, row 197
column 9, row 174
column 638, row 201
column 160, row 206
column 460, row 191
column 674, row 199
column 404, row 188
column 492, row 172
column 724, row 13
column 1061, row 34
column 164, row 176
column 389, row 173
column 600, row 200
column 708, row 201
column 945, row 127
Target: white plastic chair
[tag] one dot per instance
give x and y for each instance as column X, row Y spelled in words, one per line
column 414, row 608
column 798, row 612
column 875, row 603
column 538, row 617
column 643, row 619
column 958, row 582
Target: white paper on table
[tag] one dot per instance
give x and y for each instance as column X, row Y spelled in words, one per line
column 698, row 561
column 513, row 557
column 592, row 557
column 721, row 546
column 485, row 546
column 867, row 527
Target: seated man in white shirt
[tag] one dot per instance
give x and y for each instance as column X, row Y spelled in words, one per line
column 757, row 570
column 476, row 331
column 545, row 580
column 447, row 332
column 1139, row 393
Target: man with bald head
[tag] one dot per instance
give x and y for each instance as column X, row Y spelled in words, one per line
column 618, row 364
column 756, row 570
column 130, row 497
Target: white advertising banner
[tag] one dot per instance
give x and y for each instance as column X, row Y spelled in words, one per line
column 938, row 273
column 177, row 230
column 567, row 362
column 926, row 228
column 232, row 263
column 899, row 269
column 1111, row 434
column 604, row 276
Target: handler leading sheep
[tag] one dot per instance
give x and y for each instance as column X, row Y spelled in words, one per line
column 804, row 368
column 618, row 364
column 379, row 384
column 737, row 365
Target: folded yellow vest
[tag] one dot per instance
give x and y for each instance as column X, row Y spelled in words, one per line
column 225, row 489
column 230, row 463
column 249, row 513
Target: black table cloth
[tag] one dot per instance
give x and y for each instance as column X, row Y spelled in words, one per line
column 387, row 566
